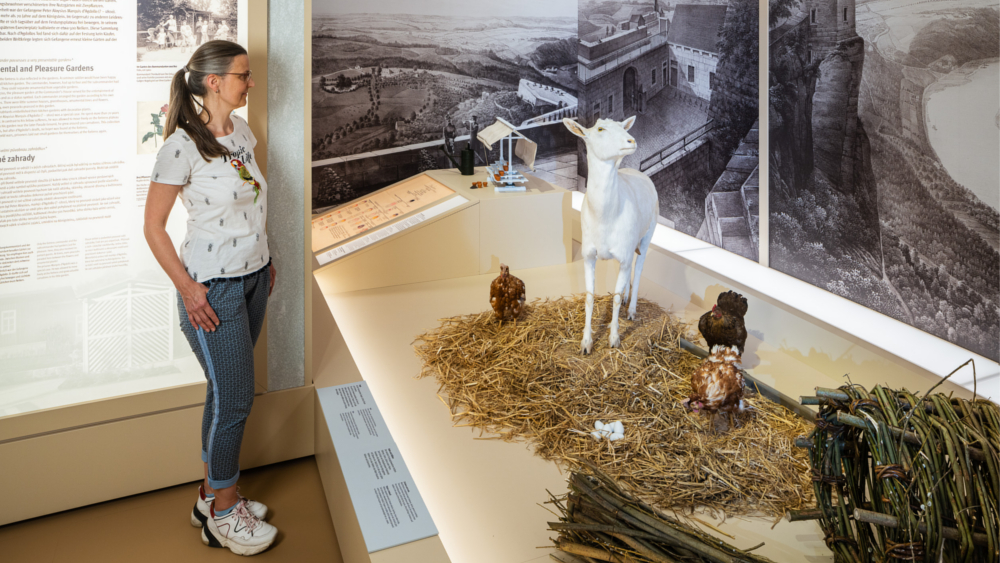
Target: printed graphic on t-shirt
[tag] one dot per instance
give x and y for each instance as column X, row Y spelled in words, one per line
column 246, row 177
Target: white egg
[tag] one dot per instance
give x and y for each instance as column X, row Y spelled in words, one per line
column 619, row 427
column 616, row 436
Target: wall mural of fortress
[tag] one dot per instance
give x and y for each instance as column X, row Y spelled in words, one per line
column 884, row 136
column 688, row 72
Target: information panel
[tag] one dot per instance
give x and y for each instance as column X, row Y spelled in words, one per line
column 389, row 508
column 383, row 206
column 85, row 311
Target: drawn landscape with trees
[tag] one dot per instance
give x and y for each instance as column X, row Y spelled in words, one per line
column 899, row 234
column 389, row 80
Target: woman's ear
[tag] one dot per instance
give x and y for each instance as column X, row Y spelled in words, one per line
column 212, row 82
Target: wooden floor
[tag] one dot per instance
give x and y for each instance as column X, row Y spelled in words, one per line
column 154, row 527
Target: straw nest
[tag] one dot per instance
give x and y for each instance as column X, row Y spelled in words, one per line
column 528, row 380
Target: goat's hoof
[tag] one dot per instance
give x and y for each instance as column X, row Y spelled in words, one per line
column 631, row 313
column 586, row 346
column 614, row 340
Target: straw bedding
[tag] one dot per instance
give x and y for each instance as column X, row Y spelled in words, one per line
column 528, row 380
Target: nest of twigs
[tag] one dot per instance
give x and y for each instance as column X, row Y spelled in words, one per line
column 528, row 380
column 598, row 521
column 903, row 477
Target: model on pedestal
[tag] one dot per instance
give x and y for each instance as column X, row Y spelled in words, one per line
column 618, row 217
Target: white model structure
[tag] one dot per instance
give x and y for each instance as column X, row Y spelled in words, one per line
column 618, row 216
column 502, row 173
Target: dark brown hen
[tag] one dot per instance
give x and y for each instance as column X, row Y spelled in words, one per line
column 723, row 325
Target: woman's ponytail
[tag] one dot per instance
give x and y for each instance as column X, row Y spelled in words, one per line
column 188, row 84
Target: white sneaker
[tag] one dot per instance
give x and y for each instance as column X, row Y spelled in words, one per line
column 200, row 511
column 240, row 531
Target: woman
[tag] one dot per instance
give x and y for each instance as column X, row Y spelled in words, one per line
column 223, row 275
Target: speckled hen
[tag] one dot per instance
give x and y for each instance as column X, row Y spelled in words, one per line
column 717, row 385
column 507, row 295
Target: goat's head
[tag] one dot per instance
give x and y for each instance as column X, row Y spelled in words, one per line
column 607, row 139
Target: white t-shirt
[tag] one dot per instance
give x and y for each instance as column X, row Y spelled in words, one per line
column 226, row 215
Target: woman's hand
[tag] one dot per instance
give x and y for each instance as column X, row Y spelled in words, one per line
column 271, row 271
column 159, row 201
column 200, row 313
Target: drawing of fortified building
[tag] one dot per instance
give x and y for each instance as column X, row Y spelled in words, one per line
column 833, row 43
column 830, row 22
column 622, row 68
column 692, row 43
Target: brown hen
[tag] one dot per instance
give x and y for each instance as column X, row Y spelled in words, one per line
column 507, row 295
column 723, row 325
column 717, row 385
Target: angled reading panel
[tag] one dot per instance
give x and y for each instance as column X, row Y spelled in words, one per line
column 366, row 220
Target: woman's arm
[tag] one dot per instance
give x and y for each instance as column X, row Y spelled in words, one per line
column 159, row 201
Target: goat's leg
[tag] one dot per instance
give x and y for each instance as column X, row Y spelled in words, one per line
column 643, row 251
column 624, row 269
column 589, row 263
column 628, row 287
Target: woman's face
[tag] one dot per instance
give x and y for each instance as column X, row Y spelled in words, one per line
column 232, row 89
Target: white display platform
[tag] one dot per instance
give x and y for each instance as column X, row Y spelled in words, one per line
column 484, row 494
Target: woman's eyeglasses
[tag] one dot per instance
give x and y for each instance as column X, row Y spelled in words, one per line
column 244, row 76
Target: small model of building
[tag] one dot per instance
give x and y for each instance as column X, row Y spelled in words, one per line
column 502, row 174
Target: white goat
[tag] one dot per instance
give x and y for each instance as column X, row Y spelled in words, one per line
column 618, row 215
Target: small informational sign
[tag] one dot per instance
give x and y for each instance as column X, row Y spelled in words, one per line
column 383, row 206
column 386, row 501
column 378, row 234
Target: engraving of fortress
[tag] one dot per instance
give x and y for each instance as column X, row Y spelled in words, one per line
column 688, row 72
column 884, row 123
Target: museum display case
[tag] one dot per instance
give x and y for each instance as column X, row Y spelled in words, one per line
column 367, row 334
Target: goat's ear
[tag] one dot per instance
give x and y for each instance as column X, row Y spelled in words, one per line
column 575, row 128
column 628, row 123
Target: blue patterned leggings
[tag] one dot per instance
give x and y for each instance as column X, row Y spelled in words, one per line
column 226, row 355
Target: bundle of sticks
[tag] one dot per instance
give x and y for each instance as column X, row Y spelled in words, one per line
column 599, row 521
column 900, row 477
